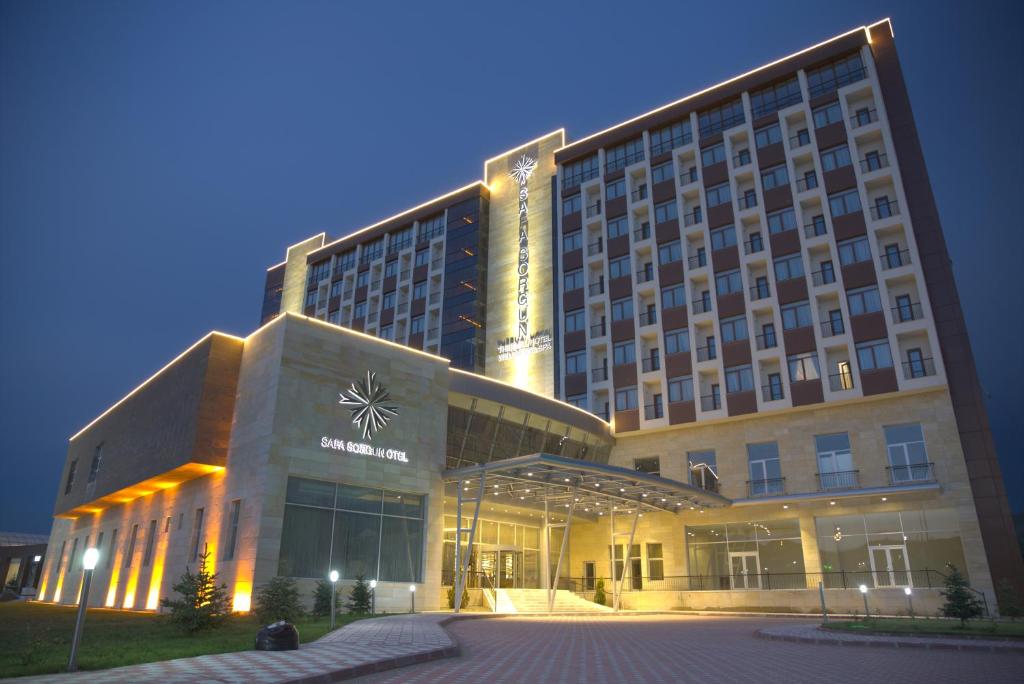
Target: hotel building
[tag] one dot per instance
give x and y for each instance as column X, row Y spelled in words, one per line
column 712, row 355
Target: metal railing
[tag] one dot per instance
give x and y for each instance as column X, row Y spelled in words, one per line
column 747, row 201
column 595, row 247
column 820, row 278
column 772, row 392
column 688, row 176
column 599, row 374
column 699, row 261
column 707, row 353
column 799, row 140
column 753, row 245
column 639, row 194
column 913, row 472
column 693, row 218
column 642, row 233
column 759, row 292
column 842, row 479
column 863, row 118
column 769, row 341
column 895, row 259
column 701, row 305
column 597, row 330
column 741, row 159
column 648, row 317
column 919, row 368
column 837, row 81
column 594, row 209
column 839, row 382
column 768, row 487
column 650, row 363
column 596, row 288
column 653, row 412
column 830, row 328
column 644, row 275
column 432, row 333
column 884, row 210
column 624, row 161
column 815, row 228
column 901, row 313
column 575, row 179
column 808, row 182
column 710, row 402
column 874, row 163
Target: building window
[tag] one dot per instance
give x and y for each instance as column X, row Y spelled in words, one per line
column 577, row 400
column 336, row 288
column 621, row 156
column 703, row 469
column 311, row 298
column 719, row 194
column 775, row 177
column 723, row 237
column 803, row 367
column 649, row 464
column 908, row 457
column 781, row 221
column 734, row 329
column 619, row 268
column 844, row 203
column 854, row 251
column 431, row 228
column 197, row 534
column 666, row 211
column 623, row 353
column 744, row 555
column 347, row 260
column 112, row 549
column 419, row 290
column 579, row 172
column 574, row 321
column 670, row 137
column 864, row 300
column 728, row 283
column 836, row 157
column 789, row 267
column 129, row 549
column 655, row 562
column 673, row 297
column 71, row 477
column 662, row 172
column 622, row 309
column 618, row 227
column 625, row 399
column 357, row 531
column 359, row 311
column 232, row 531
column 680, row 389
column 422, row 258
column 387, row 332
column 147, row 556
column 670, row 252
column 827, row 114
column 363, row 277
column 677, row 341
column 769, row 135
column 388, row 300
column 614, row 189
column 712, row 155
column 739, row 379
column 774, row 387
column 835, row 461
column 575, row 362
column 764, row 468
column 835, row 75
column 319, row 271
column 416, row 325
column 97, row 460
column 572, row 241
column 573, row 280
column 720, row 118
column 874, row 355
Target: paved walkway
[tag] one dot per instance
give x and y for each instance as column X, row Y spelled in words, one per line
column 667, row 648
column 812, row 634
column 356, row 649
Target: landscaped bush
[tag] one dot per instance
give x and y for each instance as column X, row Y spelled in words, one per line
column 204, row 604
column 359, row 597
column 960, row 602
column 599, row 596
column 278, row 600
column 322, row 599
column 451, row 598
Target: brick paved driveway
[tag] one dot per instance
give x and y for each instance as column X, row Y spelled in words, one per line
column 681, row 649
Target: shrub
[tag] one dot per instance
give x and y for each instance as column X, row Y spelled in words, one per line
column 359, row 596
column 599, row 596
column 960, row 602
column 278, row 600
column 322, row 599
column 203, row 604
column 451, row 598
column 1009, row 600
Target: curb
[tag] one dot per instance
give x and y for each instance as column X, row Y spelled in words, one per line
column 867, row 642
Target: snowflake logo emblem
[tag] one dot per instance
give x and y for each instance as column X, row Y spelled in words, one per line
column 366, row 400
column 523, row 169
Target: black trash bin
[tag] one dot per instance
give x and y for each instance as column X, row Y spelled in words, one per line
column 280, row 636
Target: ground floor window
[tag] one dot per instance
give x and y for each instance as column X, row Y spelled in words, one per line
column 892, row 549
column 763, row 554
column 358, row 531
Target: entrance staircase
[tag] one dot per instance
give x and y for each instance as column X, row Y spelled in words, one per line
column 536, row 601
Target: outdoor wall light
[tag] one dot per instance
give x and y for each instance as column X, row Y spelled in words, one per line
column 36, row 559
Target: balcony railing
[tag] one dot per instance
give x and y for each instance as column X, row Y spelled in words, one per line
column 913, row 472
column 432, row 333
column 599, row 374
column 639, row 194
column 820, row 278
column 842, row 479
column 808, row 182
column 701, row 305
column 874, row 163
column 753, row 245
column 912, row 311
column 597, row 330
column 572, row 180
column 693, row 218
column 832, row 328
column 651, row 363
column 766, row 341
column 747, row 201
column 623, row 161
column 644, row 275
column 648, row 317
column 642, row 233
column 895, row 259
column 653, row 412
column 839, row 382
column 741, row 159
column 759, row 292
column 883, row 210
column 594, row 209
column 772, row 392
column 595, row 247
column 768, row 487
column 669, row 145
column 707, row 353
column 863, row 118
column 800, row 139
column 918, row 368
column 815, row 228
column 699, row 261
column 710, row 402
column 688, row 176
column 596, row 288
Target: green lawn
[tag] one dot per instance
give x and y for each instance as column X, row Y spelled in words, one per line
column 36, row 638
column 917, row 626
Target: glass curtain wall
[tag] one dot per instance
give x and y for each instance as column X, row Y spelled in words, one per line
column 746, row 555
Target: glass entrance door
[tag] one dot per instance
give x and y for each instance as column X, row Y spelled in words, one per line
column 510, row 569
column 743, row 570
column 889, row 566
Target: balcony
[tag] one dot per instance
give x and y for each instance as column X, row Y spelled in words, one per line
column 622, row 162
column 599, row 374
column 748, row 200
column 918, row 368
column 874, row 163
column 863, row 118
column 595, row 247
column 759, row 292
column 693, row 218
column 645, row 274
column 432, row 333
column 435, row 298
column 815, row 228
column 596, row 288
column 910, row 311
column 766, row 341
column 802, row 138
column 884, row 210
column 839, row 382
column 820, row 278
column 707, row 353
column 753, row 245
column 808, row 182
column 598, row 330
column 650, row 364
column 699, row 261
column 913, row 472
column 701, row 305
column 594, row 209
column 648, row 317
column 767, row 487
column 639, row 194
column 571, row 181
column 831, row 328
column 772, row 392
column 689, row 176
column 710, row 402
column 741, row 159
column 602, row 414
column 406, row 273
column 653, row 412
column 895, row 259
column 843, row 479
column 642, row 233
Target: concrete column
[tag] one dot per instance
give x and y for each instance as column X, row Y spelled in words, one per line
column 809, row 542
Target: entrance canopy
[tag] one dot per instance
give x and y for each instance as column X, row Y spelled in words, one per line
column 555, row 481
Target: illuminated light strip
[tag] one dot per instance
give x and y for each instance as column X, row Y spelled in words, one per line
column 402, row 213
column 283, row 263
column 718, row 85
column 321, row 235
column 154, row 377
column 519, row 147
column 520, row 389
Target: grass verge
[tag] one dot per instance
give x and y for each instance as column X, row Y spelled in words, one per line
column 36, row 638
column 937, row 627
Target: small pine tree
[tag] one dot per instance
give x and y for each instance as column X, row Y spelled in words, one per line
column 204, row 604
column 599, row 596
column 278, row 600
column 1009, row 600
column 451, row 598
column 322, row 599
column 960, row 602
column 359, row 597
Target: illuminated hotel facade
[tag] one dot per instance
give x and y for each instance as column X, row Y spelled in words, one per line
column 712, row 355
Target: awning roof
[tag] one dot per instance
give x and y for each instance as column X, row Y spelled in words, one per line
column 532, row 480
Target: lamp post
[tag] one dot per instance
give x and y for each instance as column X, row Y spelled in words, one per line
column 910, row 601
column 864, row 593
column 412, row 598
column 334, row 592
column 89, row 559
column 373, row 597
